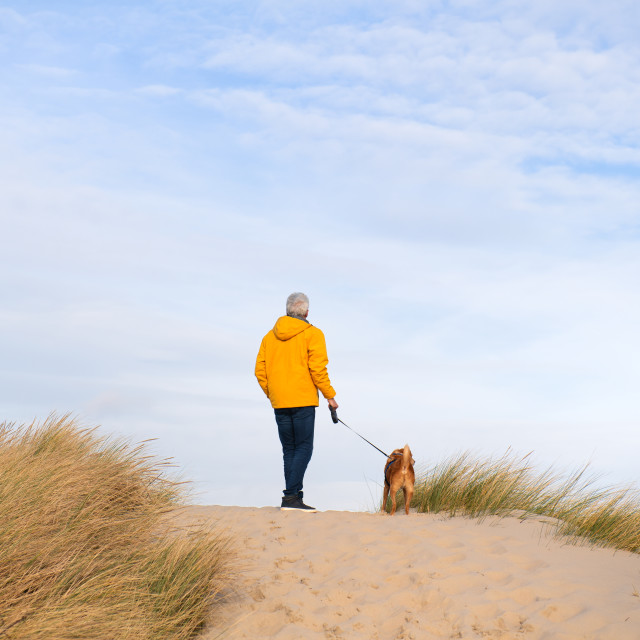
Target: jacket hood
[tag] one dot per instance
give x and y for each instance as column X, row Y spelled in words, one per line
column 287, row 327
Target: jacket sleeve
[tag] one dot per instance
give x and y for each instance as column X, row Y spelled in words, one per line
column 318, row 362
column 261, row 369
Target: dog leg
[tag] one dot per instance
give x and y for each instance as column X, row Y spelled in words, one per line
column 408, row 494
column 384, row 498
column 393, row 502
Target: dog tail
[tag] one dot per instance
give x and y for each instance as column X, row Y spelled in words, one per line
column 406, row 457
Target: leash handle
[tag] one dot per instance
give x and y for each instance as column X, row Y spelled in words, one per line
column 334, row 415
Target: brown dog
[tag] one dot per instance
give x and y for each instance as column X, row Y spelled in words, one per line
column 399, row 474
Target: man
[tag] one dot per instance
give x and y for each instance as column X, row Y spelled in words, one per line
column 291, row 368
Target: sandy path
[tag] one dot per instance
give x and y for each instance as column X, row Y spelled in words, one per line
column 359, row 575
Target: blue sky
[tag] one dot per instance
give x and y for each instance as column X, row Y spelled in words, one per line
column 453, row 184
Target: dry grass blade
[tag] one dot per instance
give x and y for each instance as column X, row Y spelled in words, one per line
column 88, row 549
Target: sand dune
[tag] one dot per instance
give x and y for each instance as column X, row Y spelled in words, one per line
column 359, row 575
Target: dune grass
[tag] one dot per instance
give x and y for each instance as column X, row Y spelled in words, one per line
column 89, row 541
column 574, row 505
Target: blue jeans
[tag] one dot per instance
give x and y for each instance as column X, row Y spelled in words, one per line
column 295, row 428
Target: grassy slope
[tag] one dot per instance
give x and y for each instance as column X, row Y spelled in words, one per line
column 87, row 546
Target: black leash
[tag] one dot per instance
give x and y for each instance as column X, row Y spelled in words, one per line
column 334, row 417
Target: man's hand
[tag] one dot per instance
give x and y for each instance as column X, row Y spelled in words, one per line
column 333, row 404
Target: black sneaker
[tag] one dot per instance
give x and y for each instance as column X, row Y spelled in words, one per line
column 305, row 507
column 294, row 503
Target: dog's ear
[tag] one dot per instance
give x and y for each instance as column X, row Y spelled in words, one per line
column 413, row 461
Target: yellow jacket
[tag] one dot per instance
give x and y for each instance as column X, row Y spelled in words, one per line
column 292, row 364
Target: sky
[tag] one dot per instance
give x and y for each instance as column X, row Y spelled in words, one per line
column 455, row 186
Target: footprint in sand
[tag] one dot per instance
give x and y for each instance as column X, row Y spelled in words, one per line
column 280, row 562
column 291, row 615
column 333, row 633
column 338, row 596
column 257, row 594
column 515, row 622
column 561, row 612
column 503, row 626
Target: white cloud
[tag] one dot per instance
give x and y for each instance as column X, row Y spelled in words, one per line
column 10, row 17
column 474, row 76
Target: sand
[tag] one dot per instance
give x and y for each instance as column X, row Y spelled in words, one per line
column 361, row 575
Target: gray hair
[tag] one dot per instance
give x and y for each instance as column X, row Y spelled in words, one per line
column 297, row 305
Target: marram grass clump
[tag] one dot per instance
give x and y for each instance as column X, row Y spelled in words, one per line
column 573, row 505
column 89, row 541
